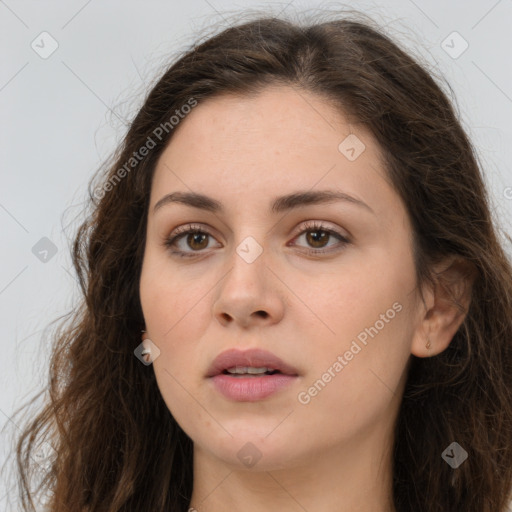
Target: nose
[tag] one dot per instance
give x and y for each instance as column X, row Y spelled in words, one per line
column 249, row 293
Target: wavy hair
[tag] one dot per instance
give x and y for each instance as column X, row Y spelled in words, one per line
column 116, row 446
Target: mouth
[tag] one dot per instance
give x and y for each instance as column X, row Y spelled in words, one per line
column 251, row 375
column 249, row 363
column 249, row 371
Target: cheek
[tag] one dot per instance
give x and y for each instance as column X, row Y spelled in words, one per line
column 354, row 380
column 345, row 303
column 171, row 302
column 173, row 311
column 177, row 310
column 365, row 320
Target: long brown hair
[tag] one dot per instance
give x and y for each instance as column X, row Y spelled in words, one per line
column 116, row 445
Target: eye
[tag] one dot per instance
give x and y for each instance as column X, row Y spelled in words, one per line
column 317, row 235
column 196, row 237
column 193, row 236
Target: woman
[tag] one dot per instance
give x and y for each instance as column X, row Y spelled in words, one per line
column 294, row 294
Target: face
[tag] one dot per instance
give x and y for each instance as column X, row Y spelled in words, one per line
column 327, row 287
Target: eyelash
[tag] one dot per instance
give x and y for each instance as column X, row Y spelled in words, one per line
column 307, row 227
column 196, row 229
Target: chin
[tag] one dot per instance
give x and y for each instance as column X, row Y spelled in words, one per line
column 257, row 452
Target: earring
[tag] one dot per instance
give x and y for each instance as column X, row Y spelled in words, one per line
column 428, row 343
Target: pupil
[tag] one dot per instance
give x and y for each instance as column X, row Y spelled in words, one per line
column 193, row 237
column 314, row 235
column 315, row 238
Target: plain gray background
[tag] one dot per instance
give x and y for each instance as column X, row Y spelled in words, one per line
column 62, row 115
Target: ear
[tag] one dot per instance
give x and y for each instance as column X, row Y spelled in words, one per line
column 447, row 303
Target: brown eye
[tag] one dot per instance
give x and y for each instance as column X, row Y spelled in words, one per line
column 188, row 241
column 196, row 240
column 317, row 239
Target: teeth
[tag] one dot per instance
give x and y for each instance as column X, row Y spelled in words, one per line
column 248, row 369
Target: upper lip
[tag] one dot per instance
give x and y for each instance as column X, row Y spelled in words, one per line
column 255, row 357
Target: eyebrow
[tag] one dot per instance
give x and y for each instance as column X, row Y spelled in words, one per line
column 279, row 205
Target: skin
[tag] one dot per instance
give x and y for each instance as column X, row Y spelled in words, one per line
column 332, row 453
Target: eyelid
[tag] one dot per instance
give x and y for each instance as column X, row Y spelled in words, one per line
column 315, row 225
column 191, row 226
column 310, row 225
column 304, row 227
column 181, row 232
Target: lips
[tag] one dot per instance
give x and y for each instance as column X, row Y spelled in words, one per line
column 257, row 358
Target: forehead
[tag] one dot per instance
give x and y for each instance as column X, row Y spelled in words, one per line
column 276, row 119
column 282, row 139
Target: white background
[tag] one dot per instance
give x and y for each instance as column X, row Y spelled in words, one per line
column 63, row 115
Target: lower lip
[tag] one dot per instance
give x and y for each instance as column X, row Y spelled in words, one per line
column 251, row 389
